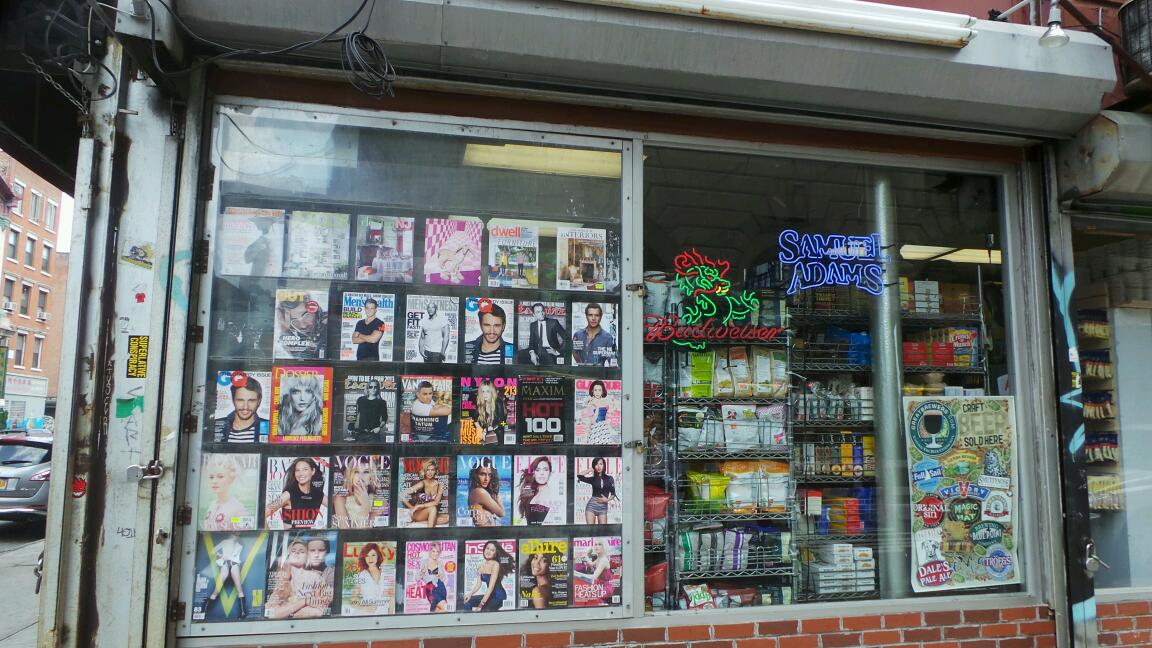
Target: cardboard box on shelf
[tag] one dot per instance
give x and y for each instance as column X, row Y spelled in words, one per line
column 862, row 553
column 927, row 295
column 907, row 303
column 958, row 298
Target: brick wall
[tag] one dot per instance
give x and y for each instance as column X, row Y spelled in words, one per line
column 1027, row 627
column 1128, row 623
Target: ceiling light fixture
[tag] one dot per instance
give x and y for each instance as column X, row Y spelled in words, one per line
column 544, row 159
column 956, row 255
column 1055, row 36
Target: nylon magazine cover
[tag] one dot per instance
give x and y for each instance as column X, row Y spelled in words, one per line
column 430, row 573
column 368, row 579
column 544, row 576
column 487, row 410
column 484, row 490
column 301, row 574
column 302, row 407
column 243, row 407
column 361, row 491
column 230, row 573
column 489, row 579
column 296, row 492
column 370, row 411
column 367, row 326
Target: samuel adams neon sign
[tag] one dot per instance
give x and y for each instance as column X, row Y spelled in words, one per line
column 832, row 260
column 711, row 312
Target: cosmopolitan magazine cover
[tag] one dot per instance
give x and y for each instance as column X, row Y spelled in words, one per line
column 296, row 492
column 370, row 411
column 452, row 250
column 230, row 572
column 302, row 408
column 423, row 498
column 581, row 254
column 541, row 497
column 317, row 245
column 431, row 329
column 384, row 248
column 487, row 410
column 361, row 491
column 367, row 326
column 489, row 583
column 229, row 492
column 250, row 242
column 542, row 333
column 596, row 500
column 301, row 574
column 543, row 402
column 597, row 571
column 243, row 407
column 513, row 254
column 595, row 334
column 484, row 490
column 543, row 579
column 426, row 409
column 368, row 579
column 488, row 326
column 598, row 411
column 430, row 571
column 301, row 324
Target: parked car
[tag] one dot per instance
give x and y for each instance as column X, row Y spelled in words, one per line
column 25, row 465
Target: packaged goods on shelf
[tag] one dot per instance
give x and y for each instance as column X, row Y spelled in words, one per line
column 907, row 303
column 1093, row 324
column 927, row 295
column 1098, row 405
column 837, row 399
column 696, row 375
column 1105, row 492
column 1102, row 447
column 958, row 298
column 1097, row 364
column 770, row 372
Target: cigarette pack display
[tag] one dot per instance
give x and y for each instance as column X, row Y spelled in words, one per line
column 369, row 408
column 580, row 257
column 384, row 248
column 597, row 404
column 430, row 570
column 367, row 326
column 243, row 407
column 368, row 579
column 544, row 573
column 513, row 254
column 229, row 491
column 296, row 492
column 422, row 499
column 302, row 409
column 594, row 334
column 426, row 409
column 595, row 500
column 431, row 329
column 361, row 491
column 543, row 403
column 542, row 333
column 301, row 324
column 317, row 245
column 452, row 251
column 541, row 490
column 301, row 574
column 597, row 571
column 488, row 331
column 487, row 410
column 489, row 583
column 250, row 242
column 484, row 490
column 230, row 573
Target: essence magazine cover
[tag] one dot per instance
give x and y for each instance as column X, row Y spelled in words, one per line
column 296, row 492
column 426, row 409
column 302, row 408
column 370, row 412
column 487, row 410
column 301, row 574
column 513, row 254
column 489, row 583
column 367, row 326
column 543, row 581
column 597, row 568
column 484, row 490
column 594, row 334
column 301, row 324
column 229, row 491
column 543, row 403
column 542, row 333
column 384, row 248
column 581, row 254
column 423, row 498
column 250, row 242
column 596, row 500
column 430, row 572
column 541, row 490
column 597, row 419
column 243, row 407
column 361, row 491
column 368, row 579
column 431, row 329
column 452, row 250
column 488, row 327
column 230, row 572
column 317, row 245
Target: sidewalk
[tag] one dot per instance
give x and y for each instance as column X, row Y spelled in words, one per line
column 18, row 623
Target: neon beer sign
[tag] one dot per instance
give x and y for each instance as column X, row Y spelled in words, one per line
column 712, row 313
column 832, row 260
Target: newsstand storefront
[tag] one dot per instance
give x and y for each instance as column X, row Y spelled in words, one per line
column 472, row 367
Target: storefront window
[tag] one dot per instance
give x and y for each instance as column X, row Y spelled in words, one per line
column 827, row 408
column 412, row 382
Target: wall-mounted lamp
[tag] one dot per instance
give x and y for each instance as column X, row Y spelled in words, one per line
column 1055, row 36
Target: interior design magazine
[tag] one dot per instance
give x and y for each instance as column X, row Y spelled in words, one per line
column 596, row 499
column 243, row 407
column 541, row 490
column 301, row 574
column 484, row 489
column 543, row 407
column 452, row 250
column 302, row 404
column 488, row 327
column 370, row 412
column 368, row 578
column 384, row 248
column 595, row 334
column 544, row 574
column 431, row 329
column 489, row 578
column 250, row 242
column 513, row 254
column 430, row 572
column 423, row 497
column 301, row 324
column 361, row 491
column 487, row 410
column 581, row 254
column 230, row 573
column 597, row 571
column 367, row 326
column 229, row 491
column 426, row 409
column 542, row 333
column 317, row 245
column 598, row 416
column 296, row 492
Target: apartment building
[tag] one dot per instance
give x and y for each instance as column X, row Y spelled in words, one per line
column 32, row 278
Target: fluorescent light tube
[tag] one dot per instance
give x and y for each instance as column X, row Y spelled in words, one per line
column 956, row 255
column 544, row 159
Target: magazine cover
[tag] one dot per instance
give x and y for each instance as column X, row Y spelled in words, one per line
column 384, row 248
column 296, row 493
column 430, row 576
column 370, row 409
column 230, row 571
column 542, row 333
column 361, row 491
column 431, row 329
column 597, row 570
column 243, row 407
column 543, row 581
column 487, row 410
column 543, row 409
column 488, row 331
column 452, row 250
column 302, row 408
column 239, row 327
column 484, row 490
column 541, row 490
column 250, row 242
column 229, row 491
column 580, row 258
column 368, row 580
column 595, row 500
column 597, row 411
column 317, row 245
column 612, row 262
column 301, row 324
column 423, row 498
column 301, row 574
column 367, row 326
column 513, row 252
column 426, row 409
column 489, row 583
column 594, row 334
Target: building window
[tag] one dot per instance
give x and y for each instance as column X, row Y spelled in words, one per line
column 18, row 352
column 30, row 251
column 13, row 243
column 42, row 302
column 50, row 213
column 33, row 212
column 46, row 258
column 37, row 351
column 25, row 298
column 9, row 290
column 18, row 200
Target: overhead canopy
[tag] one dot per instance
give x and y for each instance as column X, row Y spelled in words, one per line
column 1002, row 81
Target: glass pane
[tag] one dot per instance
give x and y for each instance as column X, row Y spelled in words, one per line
column 775, row 415
column 413, row 340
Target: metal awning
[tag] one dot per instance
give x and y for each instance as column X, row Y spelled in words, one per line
column 1000, row 82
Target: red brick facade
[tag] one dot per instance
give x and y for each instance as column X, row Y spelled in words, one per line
column 1128, row 623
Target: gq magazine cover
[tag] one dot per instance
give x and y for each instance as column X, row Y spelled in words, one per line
column 230, row 572
column 243, row 407
column 488, row 326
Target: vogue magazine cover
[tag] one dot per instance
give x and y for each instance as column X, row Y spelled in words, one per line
column 484, row 485
column 361, row 491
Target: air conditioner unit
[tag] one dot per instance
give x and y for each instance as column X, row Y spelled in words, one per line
column 43, row 316
column 9, row 306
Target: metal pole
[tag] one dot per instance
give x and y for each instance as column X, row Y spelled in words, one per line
column 891, row 473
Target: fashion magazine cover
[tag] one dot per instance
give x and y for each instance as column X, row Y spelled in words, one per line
column 543, row 581
column 229, row 491
column 488, row 327
column 430, row 570
column 597, row 568
column 368, row 579
column 301, row 574
column 597, row 420
column 541, row 497
column 230, row 573
column 484, row 489
column 296, row 492
column 423, row 498
column 361, row 491
column 301, row 404
column 542, row 333
column 596, row 499
column 489, row 579
column 487, row 410
column 243, row 407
